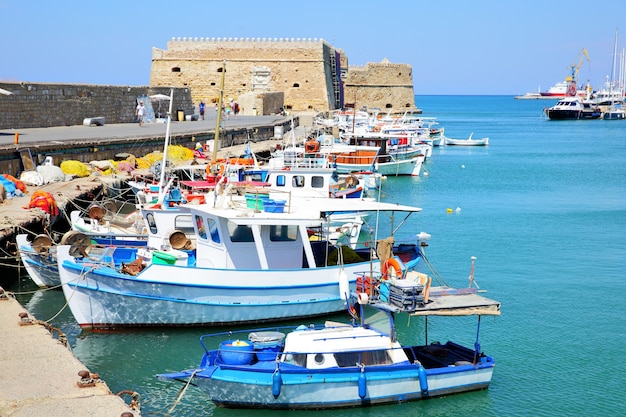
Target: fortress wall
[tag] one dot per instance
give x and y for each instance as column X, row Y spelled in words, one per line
column 46, row 105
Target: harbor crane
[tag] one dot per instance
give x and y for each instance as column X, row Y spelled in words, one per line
column 576, row 67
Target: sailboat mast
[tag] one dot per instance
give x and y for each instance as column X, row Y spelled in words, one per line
column 219, row 115
column 614, row 63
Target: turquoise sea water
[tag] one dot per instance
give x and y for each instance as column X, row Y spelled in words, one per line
column 543, row 209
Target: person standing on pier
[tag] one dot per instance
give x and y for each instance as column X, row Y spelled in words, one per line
column 139, row 112
column 201, row 109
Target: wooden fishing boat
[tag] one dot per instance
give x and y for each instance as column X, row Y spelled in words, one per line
column 337, row 365
column 253, row 260
column 470, row 141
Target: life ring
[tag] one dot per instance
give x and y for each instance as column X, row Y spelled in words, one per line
column 312, row 146
column 572, row 90
column 394, row 265
column 215, row 168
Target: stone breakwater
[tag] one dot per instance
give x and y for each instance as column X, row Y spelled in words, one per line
column 35, row 105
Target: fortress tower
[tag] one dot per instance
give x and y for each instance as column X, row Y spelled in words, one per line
column 380, row 84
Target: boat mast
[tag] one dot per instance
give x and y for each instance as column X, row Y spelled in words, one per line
column 167, row 140
column 218, row 120
column 613, row 68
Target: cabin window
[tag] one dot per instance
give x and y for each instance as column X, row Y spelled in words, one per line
column 319, row 358
column 283, row 233
column 240, row 233
column 201, row 227
column 215, row 236
column 184, row 224
column 280, row 181
column 317, row 181
column 151, row 223
column 297, row 181
column 369, row 357
column 298, row 359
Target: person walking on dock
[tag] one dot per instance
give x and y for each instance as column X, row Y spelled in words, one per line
column 139, row 112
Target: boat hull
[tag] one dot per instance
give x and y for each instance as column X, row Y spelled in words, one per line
column 572, row 114
column 338, row 387
column 101, row 297
column 396, row 168
column 41, row 267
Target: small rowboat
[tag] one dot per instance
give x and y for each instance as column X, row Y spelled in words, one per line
column 468, row 142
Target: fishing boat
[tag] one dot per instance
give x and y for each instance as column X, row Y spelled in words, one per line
column 374, row 152
column 253, row 260
column 616, row 110
column 470, row 141
column 338, row 365
column 39, row 258
column 39, row 253
column 106, row 219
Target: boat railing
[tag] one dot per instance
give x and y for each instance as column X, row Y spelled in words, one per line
column 307, row 161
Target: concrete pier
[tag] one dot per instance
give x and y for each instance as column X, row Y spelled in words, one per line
column 40, row 375
column 88, row 143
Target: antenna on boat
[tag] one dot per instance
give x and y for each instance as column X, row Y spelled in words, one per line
column 162, row 187
column 471, row 276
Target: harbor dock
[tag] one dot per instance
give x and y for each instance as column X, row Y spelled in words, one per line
column 40, row 375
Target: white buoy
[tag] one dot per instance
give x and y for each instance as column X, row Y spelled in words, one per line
column 458, row 209
column 463, row 166
column 363, row 298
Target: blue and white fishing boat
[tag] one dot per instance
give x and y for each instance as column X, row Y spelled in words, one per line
column 253, row 260
column 39, row 258
column 39, row 253
column 338, row 365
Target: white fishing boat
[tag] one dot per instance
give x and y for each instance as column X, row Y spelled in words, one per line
column 247, row 265
column 339, row 365
column 615, row 111
column 106, row 219
column 374, row 153
column 470, row 141
column 38, row 256
column 39, row 253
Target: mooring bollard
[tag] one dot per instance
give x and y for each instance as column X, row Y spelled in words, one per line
column 17, row 138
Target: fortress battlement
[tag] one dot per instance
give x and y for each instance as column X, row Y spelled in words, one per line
column 185, row 43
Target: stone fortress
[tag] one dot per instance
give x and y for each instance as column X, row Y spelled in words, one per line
column 264, row 75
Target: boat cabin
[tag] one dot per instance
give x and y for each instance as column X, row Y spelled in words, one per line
column 341, row 346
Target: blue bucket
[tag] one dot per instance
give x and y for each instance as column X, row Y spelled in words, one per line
column 234, row 352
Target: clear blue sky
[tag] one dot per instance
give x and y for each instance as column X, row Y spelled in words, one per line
column 454, row 46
